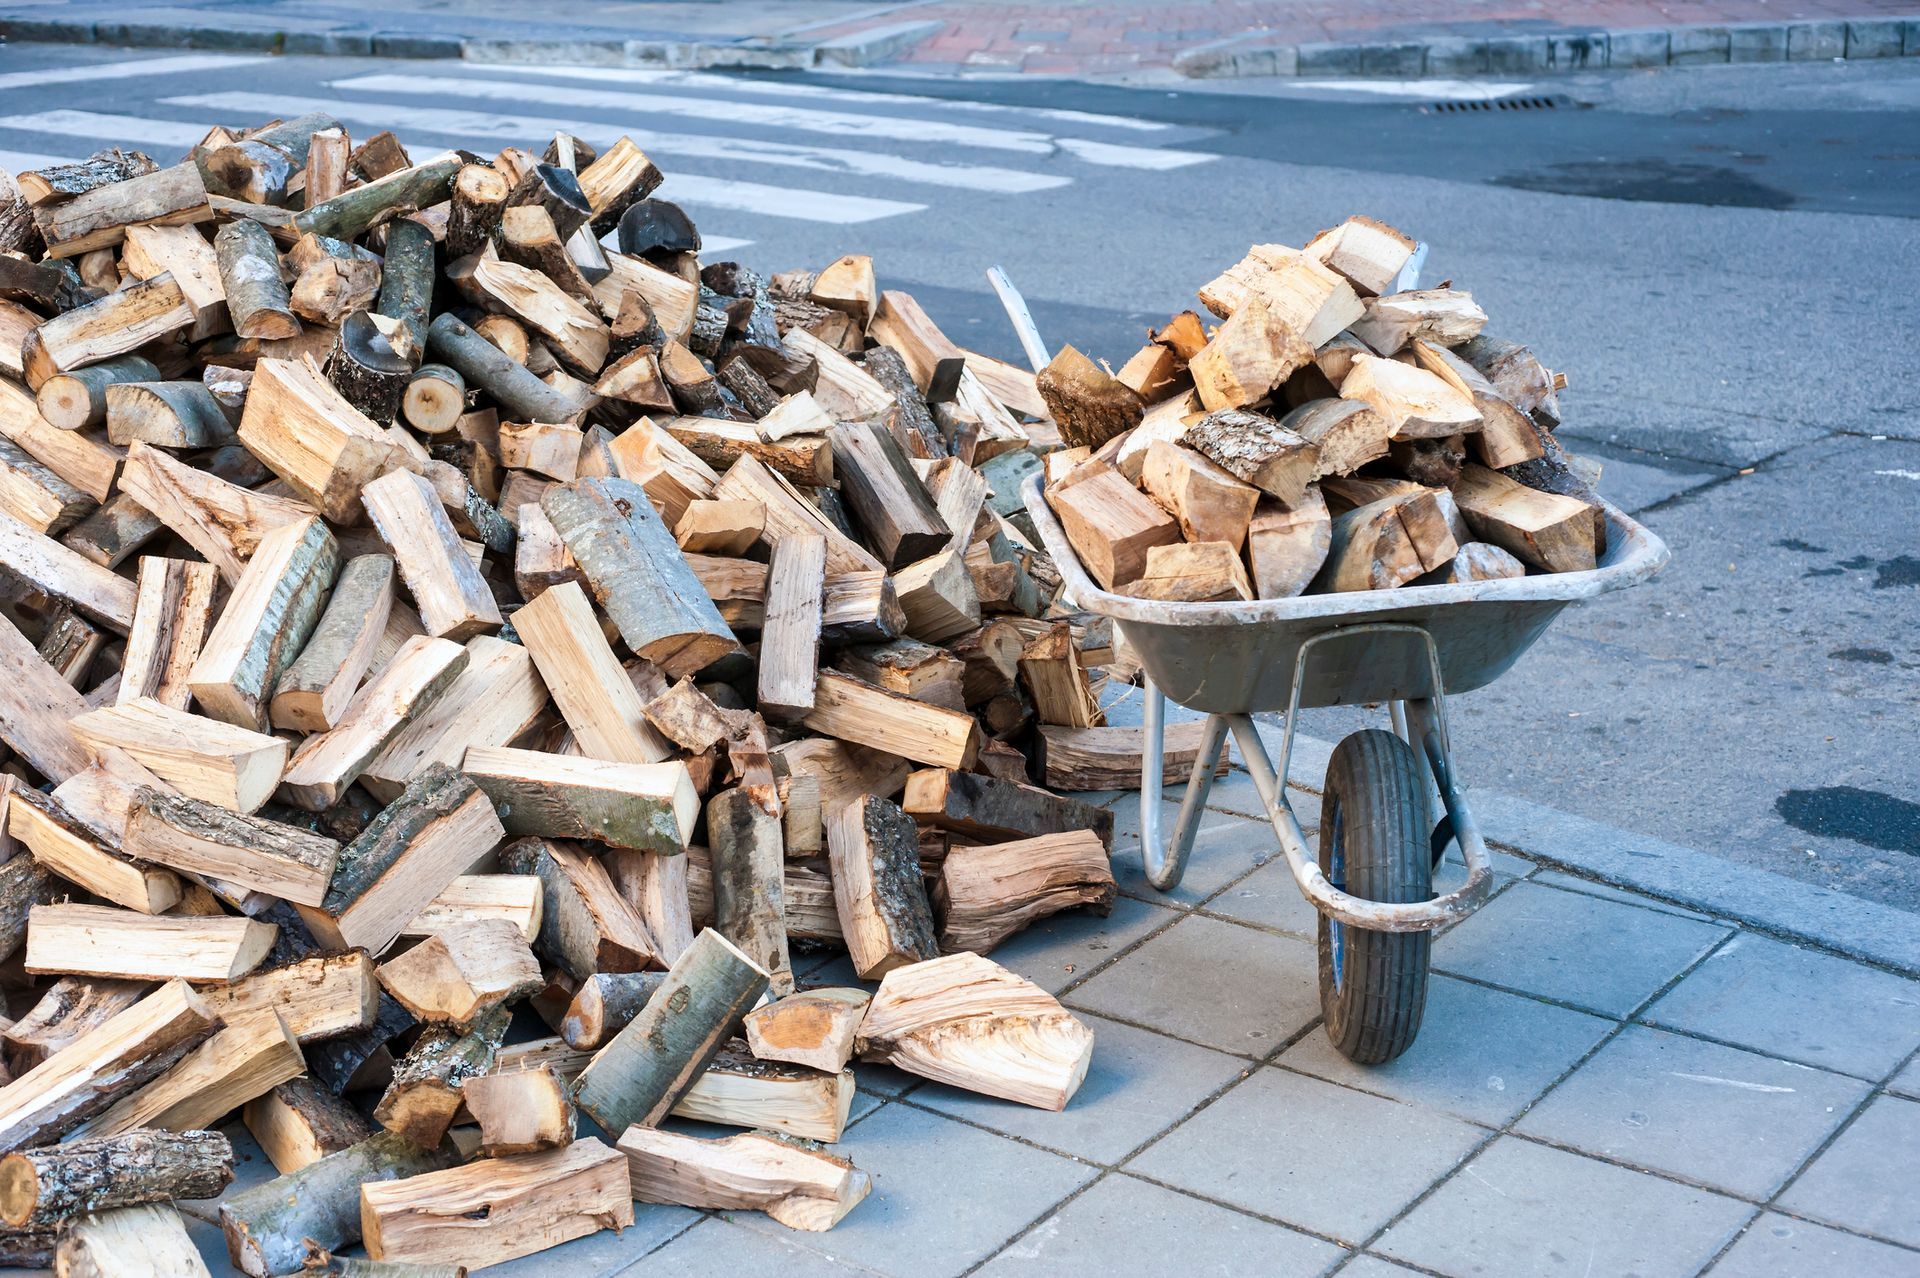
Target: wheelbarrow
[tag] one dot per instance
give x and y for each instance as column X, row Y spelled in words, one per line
column 1372, row 881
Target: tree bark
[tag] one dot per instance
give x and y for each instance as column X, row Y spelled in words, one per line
column 406, row 283
column 42, row 1187
column 520, row 395
column 257, row 298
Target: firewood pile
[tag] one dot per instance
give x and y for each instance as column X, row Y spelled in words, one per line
column 1331, row 434
column 449, row 670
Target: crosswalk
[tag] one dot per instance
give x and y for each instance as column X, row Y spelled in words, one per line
column 783, row 150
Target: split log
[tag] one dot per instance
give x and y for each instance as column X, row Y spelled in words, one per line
column 326, row 165
column 166, row 415
column 37, row 708
column 788, row 512
column 53, row 569
column 793, row 1183
column 499, row 1209
column 1111, row 525
column 865, row 715
column 116, row 324
column 497, row 698
column 938, row 597
column 606, row 1003
column 78, row 399
column 270, row 1226
column 44, row 1187
column 911, row 668
column 1546, row 530
column 223, row 521
column 747, row 860
column 573, row 331
column 299, row 1122
column 1249, row 355
column 618, row 178
column 95, row 940
column 114, row 531
column 519, row 1111
column 115, row 1057
column 893, row 506
column 1413, row 403
column 586, row 925
column 1085, row 401
column 1517, row 376
column 312, row 695
column 199, row 837
column 1477, row 561
column 181, row 251
column 1386, row 543
column 352, row 213
column 518, row 392
column 453, row 599
column 310, row 436
column 1444, row 316
column 1192, row 572
column 995, row 811
column 360, row 1061
column 1210, row 503
column 326, row 763
column 130, row 1242
column 60, row 843
column 1053, row 673
column 884, row 913
column 319, row 997
column 257, row 298
column 529, row 238
column 58, row 182
column 269, row 616
column 651, row 806
column 725, row 528
column 234, row 767
column 803, row 458
column 99, row 217
column 1110, row 758
column 249, row 1057
column 1302, row 293
column 988, row 893
column 1259, row 450
column 640, row 1075
column 433, row 832
column 1369, row 254
column 814, row 1028
column 424, row 1096
column 516, row 898
column 790, row 631
column 1287, row 545
column 456, row 975
column 37, row 496
column 478, row 202
column 966, row 1021
column 70, row 1007
column 366, row 368
column 1346, row 433
column 740, row 1091
column 655, row 884
column 591, row 689
column 544, row 448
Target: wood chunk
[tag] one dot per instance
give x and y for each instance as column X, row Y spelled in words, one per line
column 272, row 611
column 814, row 1028
column 995, row 811
column 63, row 845
column 35, row 495
column 51, row 568
column 1546, row 530
column 517, row 898
column 499, row 1209
column 70, row 645
column 637, row 575
column 747, row 860
column 796, row 1185
column 234, row 767
column 740, row 1091
column 328, row 762
column 113, row 531
column 1302, row 293
column 669, row 472
column 544, row 448
column 519, row 1111
column 1110, row 758
column 1507, row 436
column 650, row 1065
column 845, row 390
column 788, row 512
column 1386, row 543
column 199, row 837
column 1250, row 354
column 78, row 399
column 893, row 506
column 319, row 997
column 1051, row 669
column 1370, row 255
column 313, row 694
column 299, row 1122
column 94, row 940
column 884, row 913
column 269, row 1226
column 1111, row 525
column 790, row 631
column 586, row 925
column 1477, row 561
column 307, row 433
column 614, row 181
column 1193, row 572
column 518, row 392
column 1210, row 503
column 129, row 1242
column 938, row 597
column 910, row 668
column 1085, row 401
column 495, row 700
column 865, row 715
column 249, row 1057
column 709, row 527
column 257, row 297
column 70, row 1007
column 440, row 825
column 847, row 285
column 1413, row 402
column 1345, row 433
column 656, row 885
column 571, row 330
column 592, row 691
column 173, row 608
column 116, row 324
column 48, row 1186
column 1517, row 376
column 606, row 1003
column 861, row 607
column 37, row 708
column 453, row 599
column 421, row 1101
column 529, row 238
column 630, row 805
column 1258, row 450
column 1444, row 316
column 223, row 521
column 455, row 975
column 99, row 218
column 988, row 893
column 1286, row 546
column 966, row 1021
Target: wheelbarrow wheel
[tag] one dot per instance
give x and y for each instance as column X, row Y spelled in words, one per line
column 1375, row 827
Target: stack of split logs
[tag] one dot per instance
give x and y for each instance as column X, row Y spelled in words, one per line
column 460, row 656
column 1331, row 434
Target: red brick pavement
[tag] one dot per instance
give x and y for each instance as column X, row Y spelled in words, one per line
column 1121, row 35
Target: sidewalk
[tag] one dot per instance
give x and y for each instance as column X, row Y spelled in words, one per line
column 1605, row 1084
column 1408, row 38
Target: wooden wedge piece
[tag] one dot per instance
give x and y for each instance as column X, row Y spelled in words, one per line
column 94, row 940
column 234, row 767
column 273, row 609
column 1210, row 503
column 1368, row 254
column 629, row 805
column 746, row 855
column 319, row 997
column 993, row 811
column 813, row 1027
column 586, row 925
column 498, row 697
column 455, row 975
column 43, row 826
column 1258, row 450
column 741, row 1091
column 860, row 713
column 1387, row 543
column 312, row 695
column 1087, row 403
column 172, row 613
column 884, row 913
column 988, row 893
column 1546, row 530
column 1111, row 525
column 796, row 1185
column 790, row 630
column 591, row 690
column 326, row 763
column 299, row 1122
column 53, row 569
column 249, row 1057
column 1110, row 758
column 520, row 1111
column 204, row 838
column 1286, row 545
column 453, row 599
column 1193, row 572
column 308, row 434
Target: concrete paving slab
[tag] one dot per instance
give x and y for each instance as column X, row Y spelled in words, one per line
column 1864, row 1180
column 1326, row 1158
column 1225, row 848
column 1269, row 898
column 1777, row 1246
column 1483, row 1054
column 1519, row 1210
column 1907, row 1081
column 1213, row 983
column 1368, row 1266
column 1140, row 1084
column 1127, row 1226
column 1541, row 940
column 719, row 1246
column 957, row 1206
column 1063, row 948
column 1722, row 1117
column 1573, row 883
column 1791, row 1002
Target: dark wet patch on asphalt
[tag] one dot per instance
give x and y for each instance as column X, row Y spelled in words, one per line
column 1848, row 812
column 1901, row 570
column 1872, row 656
column 1804, row 547
column 1650, row 178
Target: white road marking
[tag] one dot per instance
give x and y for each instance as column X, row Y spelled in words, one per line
column 24, row 161
column 721, row 244
column 518, row 128
column 1130, row 157
column 1743, row 1085
column 109, row 129
column 768, row 115
column 1899, row 474
column 821, row 92
column 1444, row 90
column 95, row 71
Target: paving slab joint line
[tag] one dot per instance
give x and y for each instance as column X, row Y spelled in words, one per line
column 1254, row 54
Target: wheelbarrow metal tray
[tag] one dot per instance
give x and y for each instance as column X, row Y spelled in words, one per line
column 1239, row 657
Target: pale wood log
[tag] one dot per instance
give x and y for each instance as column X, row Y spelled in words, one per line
column 299, row 1122
column 994, row 811
column 848, row 392
column 478, row 202
column 790, row 631
column 1051, row 669
column 669, row 472
column 1299, row 290
column 814, row 1028
column 114, row 531
column 741, row 1091
column 966, row 1021
column 545, row 448
column 499, row 1209
column 268, row 1226
column 199, row 837
column 71, row 1006
column 911, row 668
column 326, row 164
column 234, row 767
column 1413, row 402
column 1368, row 254
column 116, row 324
column 308, row 434
column 518, row 392
column 882, row 904
column 520, row 1111
column 147, row 1241
column 846, row 771
column 1110, row 758
column 456, row 975
column 655, row 884
column 250, row 1056
column 588, row 685
column 424, row 1096
column 272, row 611
column 37, row 496
column 435, row 831
column 517, row 898
column 1517, row 376
column 1443, row 316
column 326, row 763
column 173, row 610
column 119, row 1055
column 1477, row 561
column 1210, row 503
column 453, row 599
column 788, row 512
column 1286, row 545
column 988, row 893
column 42, row 1187
column 938, row 597
column 529, row 238
column 99, row 217
column 586, row 925
column 724, row 528
column 434, row 399
column 60, row 843
column 644, row 1071
column 257, row 297
column 1111, row 525
column 1546, row 530
column 53, row 569
column 572, row 331
column 319, row 997
column 804, row 459
column 892, row 504
column 1193, row 572
column 673, row 300
column 865, row 715
column 223, row 521
column 793, row 1183
column 94, row 940
column 1346, row 433
column 650, row 806
column 83, row 458
column 746, row 858
column 1085, row 401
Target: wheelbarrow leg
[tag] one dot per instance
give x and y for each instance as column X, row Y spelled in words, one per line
column 1166, row 863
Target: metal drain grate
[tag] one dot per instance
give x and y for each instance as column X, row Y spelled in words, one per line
column 1536, row 102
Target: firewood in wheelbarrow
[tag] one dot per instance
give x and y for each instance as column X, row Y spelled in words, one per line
column 1555, row 533
column 1111, row 524
column 1387, row 543
column 1252, row 352
column 1347, row 433
column 1414, row 403
column 1444, row 316
column 1369, row 254
column 1506, row 436
column 1477, row 561
column 1211, row 503
column 1258, row 450
column 1087, row 403
column 1193, row 572
column 1286, row 545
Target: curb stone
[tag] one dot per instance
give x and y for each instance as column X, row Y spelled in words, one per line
column 1633, row 47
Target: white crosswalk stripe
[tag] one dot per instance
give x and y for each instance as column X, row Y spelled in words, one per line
column 95, row 71
column 21, row 161
column 770, row 115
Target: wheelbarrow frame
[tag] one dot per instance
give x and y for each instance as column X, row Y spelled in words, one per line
column 1407, row 647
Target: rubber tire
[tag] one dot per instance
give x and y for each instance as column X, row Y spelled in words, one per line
column 1376, row 812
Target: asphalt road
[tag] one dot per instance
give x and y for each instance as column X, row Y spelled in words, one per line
column 1724, row 261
